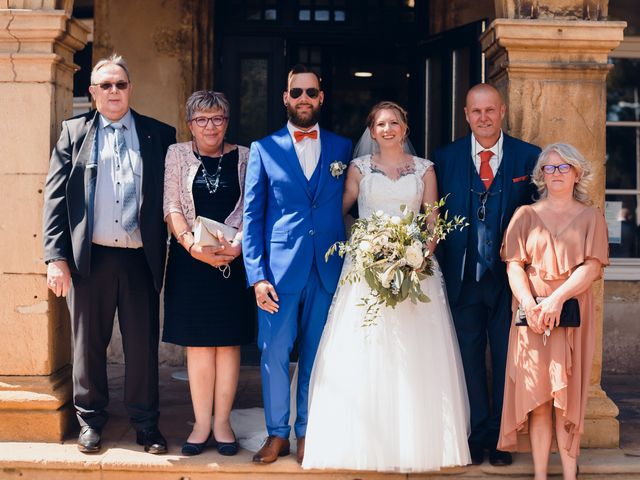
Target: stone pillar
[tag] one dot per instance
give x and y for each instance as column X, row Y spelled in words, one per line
column 552, row 73
column 36, row 86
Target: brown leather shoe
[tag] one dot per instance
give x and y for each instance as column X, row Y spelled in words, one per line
column 273, row 448
column 300, row 450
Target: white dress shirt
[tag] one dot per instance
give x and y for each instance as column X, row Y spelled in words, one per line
column 307, row 149
column 495, row 160
column 107, row 209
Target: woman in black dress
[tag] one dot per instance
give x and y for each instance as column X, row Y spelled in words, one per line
column 208, row 307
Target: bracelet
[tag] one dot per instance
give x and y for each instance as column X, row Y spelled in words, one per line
column 190, row 247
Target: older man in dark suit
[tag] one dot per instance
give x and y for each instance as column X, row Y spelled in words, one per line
column 487, row 176
column 104, row 245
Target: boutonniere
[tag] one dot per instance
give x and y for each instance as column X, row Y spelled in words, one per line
column 337, row 168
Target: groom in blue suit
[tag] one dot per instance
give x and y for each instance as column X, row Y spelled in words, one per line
column 487, row 176
column 292, row 215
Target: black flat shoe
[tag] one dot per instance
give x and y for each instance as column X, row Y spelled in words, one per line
column 227, row 449
column 89, row 439
column 152, row 440
column 498, row 458
column 189, row 449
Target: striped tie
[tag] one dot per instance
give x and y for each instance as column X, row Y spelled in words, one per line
column 124, row 176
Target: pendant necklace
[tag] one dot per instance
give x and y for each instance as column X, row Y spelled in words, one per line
column 211, row 181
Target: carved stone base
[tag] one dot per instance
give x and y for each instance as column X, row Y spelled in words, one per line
column 36, row 408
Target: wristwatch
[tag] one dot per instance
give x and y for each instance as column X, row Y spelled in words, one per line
column 56, row 259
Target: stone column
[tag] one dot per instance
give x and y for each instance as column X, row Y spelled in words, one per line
column 552, row 72
column 37, row 43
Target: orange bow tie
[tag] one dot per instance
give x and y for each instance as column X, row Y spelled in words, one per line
column 300, row 135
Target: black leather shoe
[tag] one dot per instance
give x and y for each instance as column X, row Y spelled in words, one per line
column 477, row 454
column 498, row 458
column 152, row 440
column 89, row 439
column 190, row 448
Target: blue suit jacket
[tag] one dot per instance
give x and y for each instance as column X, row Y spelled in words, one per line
column 453, row 169
column 286, row 225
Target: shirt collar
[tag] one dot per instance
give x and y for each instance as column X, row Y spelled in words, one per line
column 477, row 148
column 126, row 120
column 292, row 128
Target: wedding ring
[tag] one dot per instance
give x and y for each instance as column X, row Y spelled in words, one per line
column 263, row 302
column 53, row 283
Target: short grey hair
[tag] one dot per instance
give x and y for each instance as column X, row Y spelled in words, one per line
column 571, row 155
column 113, row 59
column 206, row 101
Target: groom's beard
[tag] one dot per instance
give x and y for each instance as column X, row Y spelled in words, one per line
column 305, row 118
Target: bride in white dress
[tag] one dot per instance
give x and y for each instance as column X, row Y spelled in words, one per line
column 392, row 396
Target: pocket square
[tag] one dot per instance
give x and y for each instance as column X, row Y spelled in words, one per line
column 520, row 179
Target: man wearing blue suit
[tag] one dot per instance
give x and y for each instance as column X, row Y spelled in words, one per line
column 487, row 176
column 292, row 215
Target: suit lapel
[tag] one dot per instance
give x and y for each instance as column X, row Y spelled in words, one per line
column 323, row 161
column 87, row 162
column 285, row 142
column 507, row 174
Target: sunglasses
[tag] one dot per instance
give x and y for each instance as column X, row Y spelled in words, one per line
column 216, row 121
column 297, row 92
column 551, row 169
column 122, row 85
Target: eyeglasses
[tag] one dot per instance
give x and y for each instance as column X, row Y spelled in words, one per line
column 216, row 121
column 297, row 92
column 122, row 85
column 551, row 169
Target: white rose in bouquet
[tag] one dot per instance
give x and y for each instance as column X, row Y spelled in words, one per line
column 413, row 256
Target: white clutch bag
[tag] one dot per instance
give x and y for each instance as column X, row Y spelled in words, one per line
column 205, row 232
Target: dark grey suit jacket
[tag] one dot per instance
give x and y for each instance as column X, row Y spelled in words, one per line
column 70, row 189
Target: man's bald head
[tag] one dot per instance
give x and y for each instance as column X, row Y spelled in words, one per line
column 485, row 111
column 486, row 89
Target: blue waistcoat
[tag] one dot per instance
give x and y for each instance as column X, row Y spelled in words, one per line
column 315, row 179
column 483, row 249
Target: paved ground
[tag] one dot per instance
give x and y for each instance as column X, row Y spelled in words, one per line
column 177, row 414
column 121, row 459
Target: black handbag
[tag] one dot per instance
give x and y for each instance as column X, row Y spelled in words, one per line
column 569, row 316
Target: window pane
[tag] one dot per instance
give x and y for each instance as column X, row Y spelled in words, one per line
column 622, row 218
column 339, row 16
column 253, row 101
column 254, row 14
column 304, row 15
column 623, row 85
column 623, row 155
column 321, row 15
column 271, row 14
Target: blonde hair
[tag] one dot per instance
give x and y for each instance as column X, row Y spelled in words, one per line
column 571, row 155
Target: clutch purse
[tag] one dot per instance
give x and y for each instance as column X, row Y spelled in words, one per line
column 205, row 232
column 569, row 316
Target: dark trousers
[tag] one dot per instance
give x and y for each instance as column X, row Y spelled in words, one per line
column 120, row 280
column 484, row 312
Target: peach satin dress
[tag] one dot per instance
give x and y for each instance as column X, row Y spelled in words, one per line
column 561, row 369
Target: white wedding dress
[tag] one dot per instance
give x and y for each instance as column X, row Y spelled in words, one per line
column 388, row 397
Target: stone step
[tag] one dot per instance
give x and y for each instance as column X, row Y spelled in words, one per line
column 122, row 460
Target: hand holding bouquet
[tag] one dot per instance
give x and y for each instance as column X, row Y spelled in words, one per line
column 391, row 253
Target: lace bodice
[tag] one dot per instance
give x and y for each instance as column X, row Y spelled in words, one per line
column 379, row 192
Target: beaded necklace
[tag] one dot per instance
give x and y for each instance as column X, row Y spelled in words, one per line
column 211, row 181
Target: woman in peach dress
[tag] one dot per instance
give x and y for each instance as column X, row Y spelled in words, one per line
column 555, row 248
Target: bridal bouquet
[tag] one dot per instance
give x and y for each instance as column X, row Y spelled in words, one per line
column 391, row 254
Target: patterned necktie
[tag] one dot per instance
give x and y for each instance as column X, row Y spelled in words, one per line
column 300, row 135
column 124, row 176
column 486, row 174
